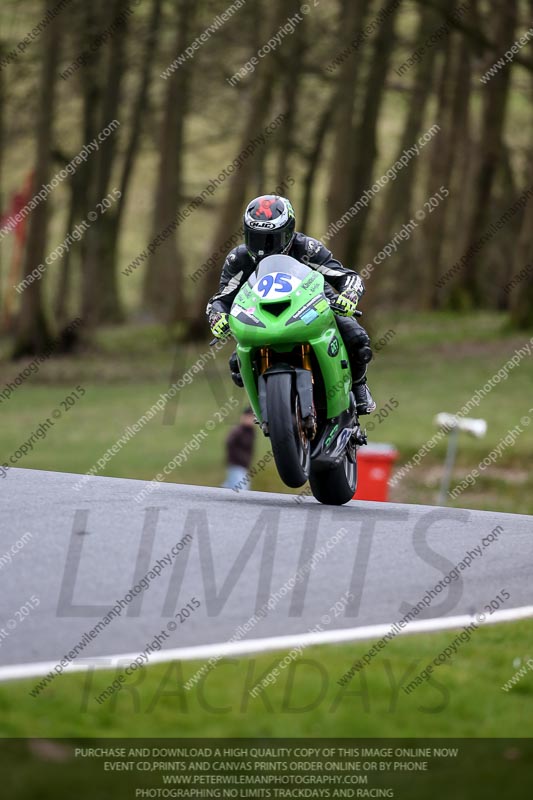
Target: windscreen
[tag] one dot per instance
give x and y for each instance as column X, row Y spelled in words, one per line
column 279, row 263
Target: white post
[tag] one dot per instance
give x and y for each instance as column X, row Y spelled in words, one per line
column 452, row 425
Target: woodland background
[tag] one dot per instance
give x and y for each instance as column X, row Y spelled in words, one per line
column 349, row 108
column 357, row 83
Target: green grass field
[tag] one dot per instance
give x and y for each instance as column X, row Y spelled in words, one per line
column 463, row 699
column 430, row 364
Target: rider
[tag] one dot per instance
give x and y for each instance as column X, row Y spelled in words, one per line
column 269, row 229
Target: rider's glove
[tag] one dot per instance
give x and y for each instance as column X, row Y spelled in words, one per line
column 218, row 322
column 345, row 304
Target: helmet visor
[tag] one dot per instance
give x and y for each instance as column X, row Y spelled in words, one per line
column 267, row 244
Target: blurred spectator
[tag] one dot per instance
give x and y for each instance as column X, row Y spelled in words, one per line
column 239, row 452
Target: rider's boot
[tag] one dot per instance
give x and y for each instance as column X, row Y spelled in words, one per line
column 364, row 402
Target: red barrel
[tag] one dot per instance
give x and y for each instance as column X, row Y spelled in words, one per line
column 374, row 466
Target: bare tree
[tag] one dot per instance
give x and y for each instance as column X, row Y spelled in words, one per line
column 398, row 200
column 522, row 295
column 340, row 192
column 32, row 331
column 441, row 164
column 365, row 132
column 100, row 301
column 495, row 97
column 292, row 63
column 314, row 156
column 163, row 292
column 2, row 140
column 256, row 119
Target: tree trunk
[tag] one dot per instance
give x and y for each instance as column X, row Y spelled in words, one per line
column 522, row 294
column 2, row 141
column 61, row 302
column 100, row 301
column 135, row 126
column 32, row 333
column 163, row 293
column 495, row 97
column 365, row 134
column 139, row 106
column 292, row 71
column 498, row 267
column 440, row 170
column 398, row 200
column 313, row 159
column 233, row 205
column 340, row 194
column 464, row 150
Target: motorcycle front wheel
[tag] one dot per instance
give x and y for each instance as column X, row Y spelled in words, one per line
column 290, row 445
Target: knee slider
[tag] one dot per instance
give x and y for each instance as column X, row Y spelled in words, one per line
column 360, row 347
column 365, row 355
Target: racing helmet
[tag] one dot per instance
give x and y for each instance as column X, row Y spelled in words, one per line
column 269, row 224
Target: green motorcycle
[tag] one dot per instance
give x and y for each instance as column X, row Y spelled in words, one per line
column 296, row 371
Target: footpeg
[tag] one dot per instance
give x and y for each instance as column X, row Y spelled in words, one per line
column 360, row 437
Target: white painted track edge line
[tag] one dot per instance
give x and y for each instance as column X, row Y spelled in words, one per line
column 248, row 646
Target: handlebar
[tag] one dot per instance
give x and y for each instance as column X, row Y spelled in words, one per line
column 356, row 313
column 213, row 342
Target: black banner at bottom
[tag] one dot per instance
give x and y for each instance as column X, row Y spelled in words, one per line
column 139, row 769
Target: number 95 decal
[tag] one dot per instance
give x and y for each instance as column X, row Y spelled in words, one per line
column 275, row 284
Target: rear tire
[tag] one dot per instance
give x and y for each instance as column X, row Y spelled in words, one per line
column 290, row 445
column 335, row 487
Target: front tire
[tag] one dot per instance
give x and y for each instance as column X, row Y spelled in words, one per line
column 290, row 445
column 336, row 486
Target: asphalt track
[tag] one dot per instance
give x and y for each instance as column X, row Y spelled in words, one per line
column 237, row 552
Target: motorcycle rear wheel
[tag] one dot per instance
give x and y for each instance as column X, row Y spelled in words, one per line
column 336, row 486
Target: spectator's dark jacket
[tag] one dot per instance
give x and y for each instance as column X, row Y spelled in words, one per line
column 240, row 446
